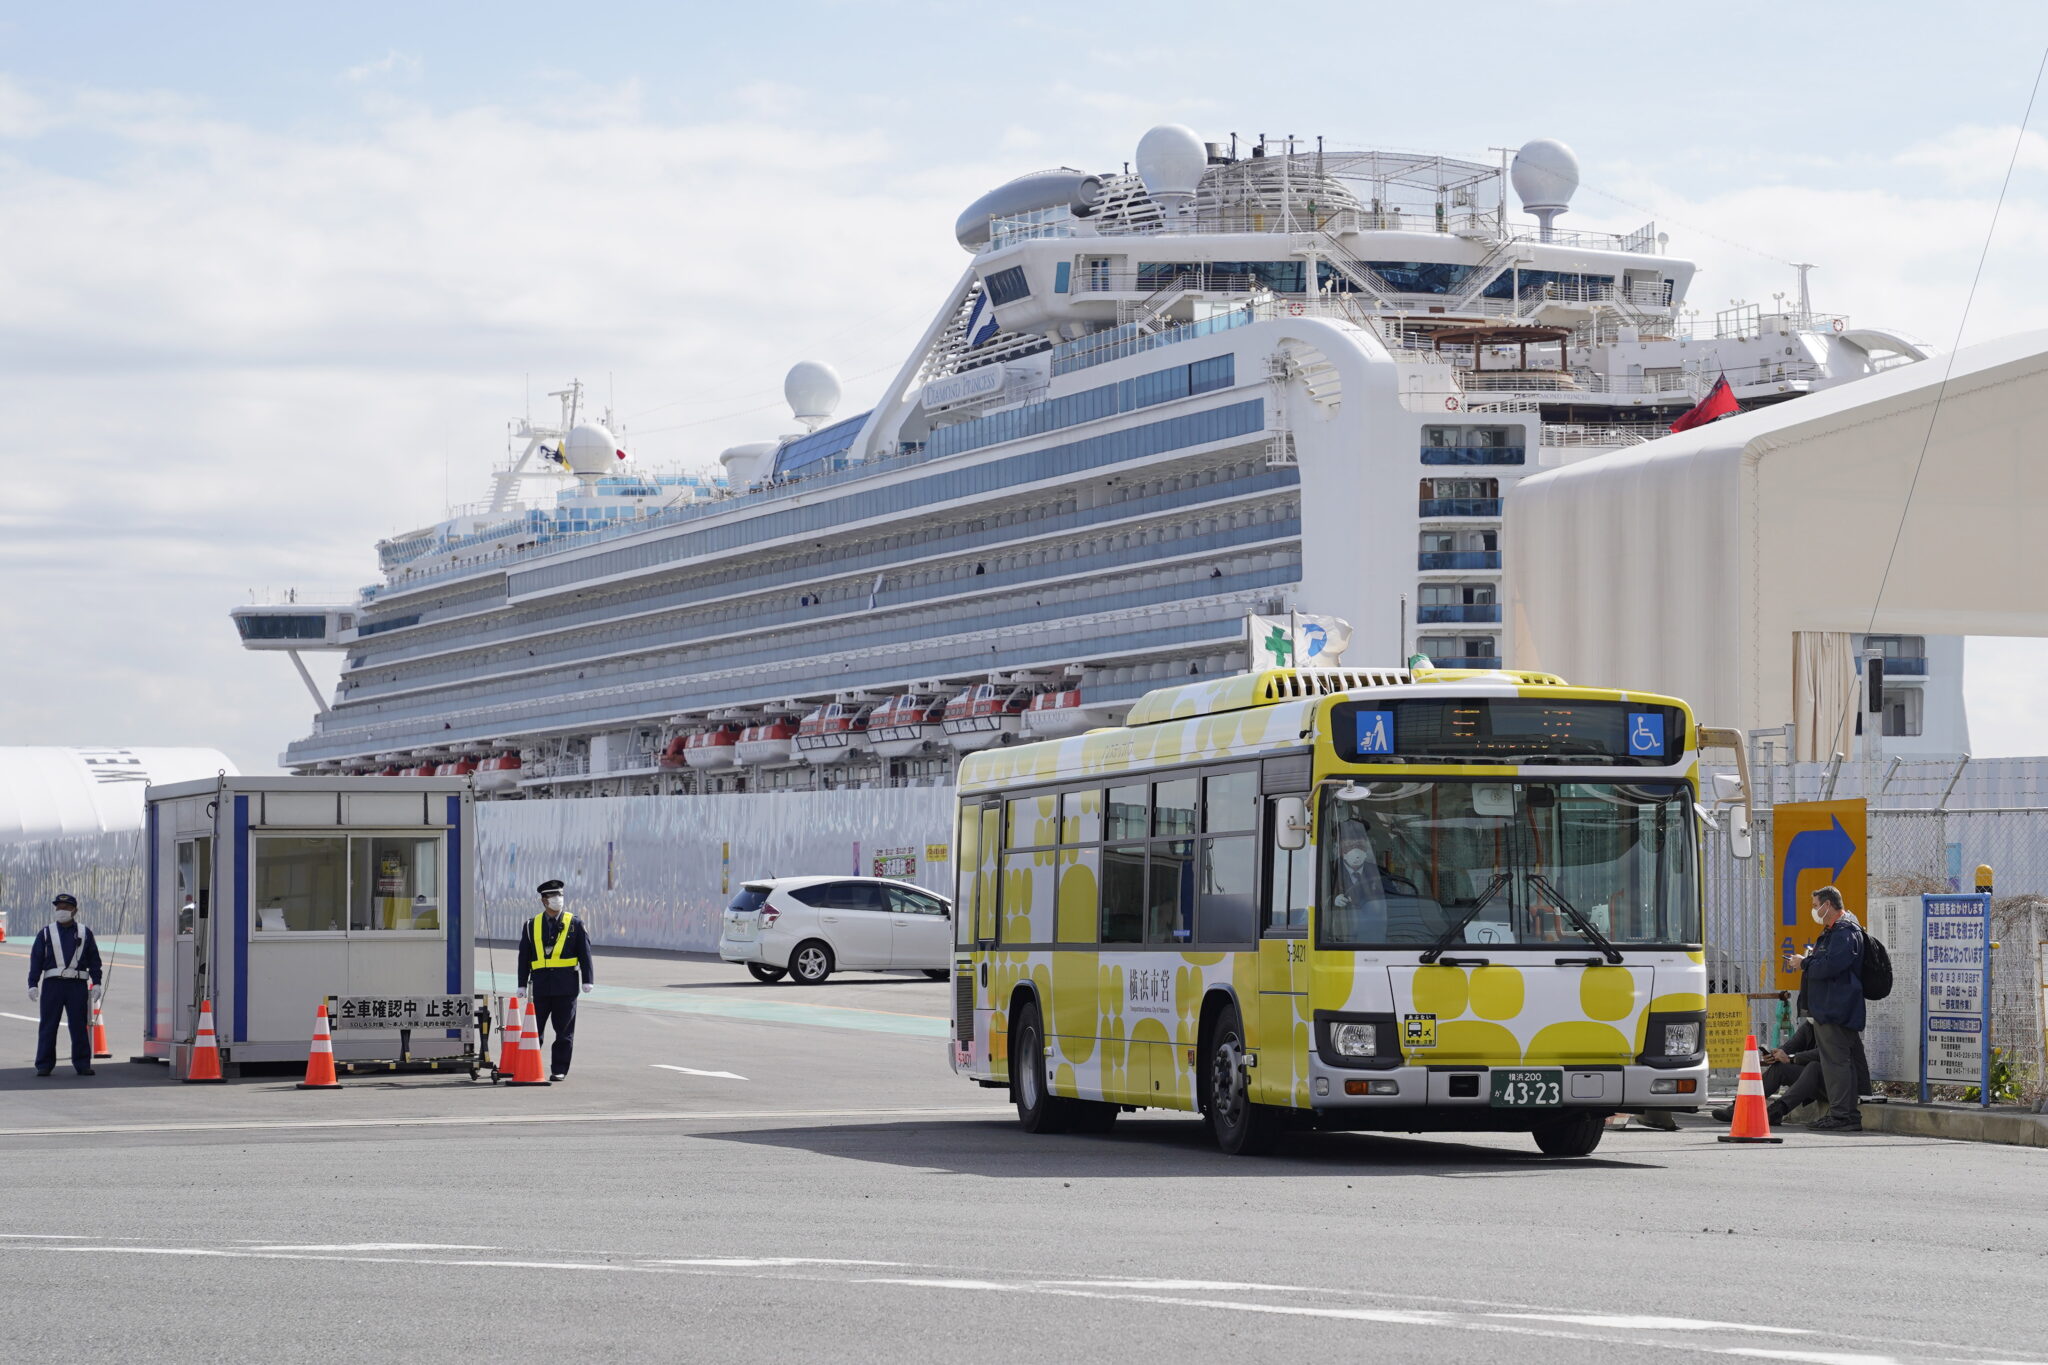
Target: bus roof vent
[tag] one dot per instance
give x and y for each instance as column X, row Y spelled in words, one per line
column 1246, row 690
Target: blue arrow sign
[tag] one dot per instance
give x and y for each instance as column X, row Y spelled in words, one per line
column 1810, row 849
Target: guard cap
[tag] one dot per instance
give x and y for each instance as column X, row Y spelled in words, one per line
column 66, row 900
column 549, row 887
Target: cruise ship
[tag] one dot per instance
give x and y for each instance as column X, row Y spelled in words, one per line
column 1233, row 381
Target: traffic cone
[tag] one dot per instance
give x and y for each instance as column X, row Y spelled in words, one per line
column 527, row 1069
column 508, row 1037
column 205, row 1064
column 320, row 1061
column 1752, row 1117
column 100, row 1051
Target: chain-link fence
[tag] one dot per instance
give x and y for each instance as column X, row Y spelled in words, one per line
column 1912, row 851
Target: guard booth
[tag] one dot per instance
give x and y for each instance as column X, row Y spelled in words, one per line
column 266, row 895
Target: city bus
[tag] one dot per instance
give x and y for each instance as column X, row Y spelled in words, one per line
column 1353, row 899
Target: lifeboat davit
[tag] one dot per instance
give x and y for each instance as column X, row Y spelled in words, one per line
column 498, row 773
column 771, row 741
column 833, row 732
column 1056, row 713
column 985, row 715
column 712, row 748
column 672, row 753
column 906, row 725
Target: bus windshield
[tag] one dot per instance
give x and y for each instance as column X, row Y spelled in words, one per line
column 1521, row 863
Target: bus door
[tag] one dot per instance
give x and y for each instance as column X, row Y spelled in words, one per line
column 1283, row 1013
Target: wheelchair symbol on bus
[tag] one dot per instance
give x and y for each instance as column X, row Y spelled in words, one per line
column 1645, row 734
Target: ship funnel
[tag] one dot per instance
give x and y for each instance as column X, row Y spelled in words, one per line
column 1545, row 172
column 812, row 388
column 1170, row 161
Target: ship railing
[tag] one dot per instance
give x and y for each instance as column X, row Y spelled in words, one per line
column 1603, row 437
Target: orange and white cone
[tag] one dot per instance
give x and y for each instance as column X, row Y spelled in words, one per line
column 320, row 1060
column 508, row 1037
column 527, row 1069
column 205, row 1063
column 100, row 1051
column 1752, row 1116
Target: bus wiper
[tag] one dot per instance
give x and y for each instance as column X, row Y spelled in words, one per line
column 1450, row 935
column 1598, row 939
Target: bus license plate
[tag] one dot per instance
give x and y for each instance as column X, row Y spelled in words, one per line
column 1528, row 1089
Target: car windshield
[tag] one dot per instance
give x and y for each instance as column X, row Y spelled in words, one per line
column 1517, row 862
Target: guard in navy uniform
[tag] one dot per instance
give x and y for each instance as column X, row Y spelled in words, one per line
column 554, row 968
column 64, row 976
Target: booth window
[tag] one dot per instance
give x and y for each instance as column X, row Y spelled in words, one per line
column 367, row 883
column 301, row 883
column 396, row 883
column 194, row 890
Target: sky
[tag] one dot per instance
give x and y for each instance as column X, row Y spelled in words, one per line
column 274, row 279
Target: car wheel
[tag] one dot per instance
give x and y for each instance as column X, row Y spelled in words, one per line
column 1570, row 1134
column 938, row 973
column 765, row 974
column 811, row 963
column 1240, row 1127
column 1038, row 1109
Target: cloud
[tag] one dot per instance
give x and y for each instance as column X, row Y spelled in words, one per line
column 393, row 66
column 1977, row 156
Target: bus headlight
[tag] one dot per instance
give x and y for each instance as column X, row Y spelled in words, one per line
column 1682, row 1040
column 1674, row 1038
column 1355, row 1040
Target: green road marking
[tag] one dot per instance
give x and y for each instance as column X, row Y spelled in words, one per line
column 760, row 1011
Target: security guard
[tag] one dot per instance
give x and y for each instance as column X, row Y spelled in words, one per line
column 554, row 958
column 64, row 975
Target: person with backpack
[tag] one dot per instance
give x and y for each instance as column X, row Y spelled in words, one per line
column 1832, row 972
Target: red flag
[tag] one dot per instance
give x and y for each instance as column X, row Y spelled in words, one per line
column 1719, row 402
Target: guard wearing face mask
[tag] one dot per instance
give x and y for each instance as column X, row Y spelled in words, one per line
column 554, row 968
column 64, row 977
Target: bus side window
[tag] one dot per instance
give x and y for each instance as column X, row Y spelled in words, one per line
column 986, row 863
column 1290, row 881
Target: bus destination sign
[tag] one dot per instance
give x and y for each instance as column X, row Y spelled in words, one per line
column 1509, row 729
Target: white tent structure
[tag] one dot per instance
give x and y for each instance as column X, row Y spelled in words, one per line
column 52, row 793
column 1730, row 565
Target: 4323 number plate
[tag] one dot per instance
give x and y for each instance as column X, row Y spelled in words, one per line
column 1528, row 1089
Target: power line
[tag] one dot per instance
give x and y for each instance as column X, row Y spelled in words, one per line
column 761, row 407
column 1949, row 365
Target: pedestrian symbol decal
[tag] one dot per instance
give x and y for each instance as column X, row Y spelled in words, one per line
column 1375, row 732
column 1645, row 734
column 1418, row 1030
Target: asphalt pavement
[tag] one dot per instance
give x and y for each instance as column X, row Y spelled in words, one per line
column 743, row 1172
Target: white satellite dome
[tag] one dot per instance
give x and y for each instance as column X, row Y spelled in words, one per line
column 591, row 450
column 812, row 388
column 1545, row 172
column 1170, row 161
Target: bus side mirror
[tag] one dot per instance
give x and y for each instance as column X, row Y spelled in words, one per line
column 1740, row 843
column 1290, row 823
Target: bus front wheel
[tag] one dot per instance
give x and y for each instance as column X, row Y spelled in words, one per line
column 1240, row 1127
column 1570, row 1134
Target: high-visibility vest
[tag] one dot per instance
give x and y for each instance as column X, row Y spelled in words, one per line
column 544, row 956
column 60, row 968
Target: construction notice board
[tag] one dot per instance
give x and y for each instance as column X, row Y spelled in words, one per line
column 1814, row 844
column 1955, row 992
column 1727, row 1030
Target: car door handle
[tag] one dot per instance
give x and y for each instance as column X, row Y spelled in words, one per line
column 904, row 922
column 828, row 919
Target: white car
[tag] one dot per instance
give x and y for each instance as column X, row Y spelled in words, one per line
column 806, row 928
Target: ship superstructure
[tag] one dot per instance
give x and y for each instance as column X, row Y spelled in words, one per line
column 1156, row 402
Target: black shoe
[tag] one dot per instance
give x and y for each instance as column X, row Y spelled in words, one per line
column 1828, row 1123
column 42, row 1073
column 87, row 1071
column 559, row 1076
column 1722, row 1113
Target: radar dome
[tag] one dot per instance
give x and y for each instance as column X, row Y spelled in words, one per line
column 591, row 449
column 1545, row 174
column 812, row 388
column 1170, row 162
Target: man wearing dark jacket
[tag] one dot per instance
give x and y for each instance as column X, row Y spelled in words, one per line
column 554, row 967
column 1833, row 977
column 1793, row 1076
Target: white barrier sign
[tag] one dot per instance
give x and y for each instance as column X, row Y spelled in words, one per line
column 1956, row 959
column 393, row 1012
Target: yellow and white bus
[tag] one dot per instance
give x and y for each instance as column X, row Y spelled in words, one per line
column 1340, row 899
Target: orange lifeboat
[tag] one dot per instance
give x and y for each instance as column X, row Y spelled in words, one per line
column 906, row 725
column 771, row 741
column 498, row 773
column 712, row 748
column 833, row 732
column 986, row 714
column 1052, row 714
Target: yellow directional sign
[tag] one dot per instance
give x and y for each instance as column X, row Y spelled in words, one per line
column 1814, row 844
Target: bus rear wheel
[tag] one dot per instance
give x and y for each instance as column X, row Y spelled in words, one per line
column 1570, row 1134
column 1038, row 1109
column 1240, row 1127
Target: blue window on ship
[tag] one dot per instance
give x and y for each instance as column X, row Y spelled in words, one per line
column 1282, row 277
column 1007, row 286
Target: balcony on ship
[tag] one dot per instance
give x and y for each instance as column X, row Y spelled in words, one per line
column 1444, row 499
column 1438, row 560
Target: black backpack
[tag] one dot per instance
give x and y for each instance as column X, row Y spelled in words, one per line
column 1877, row 969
